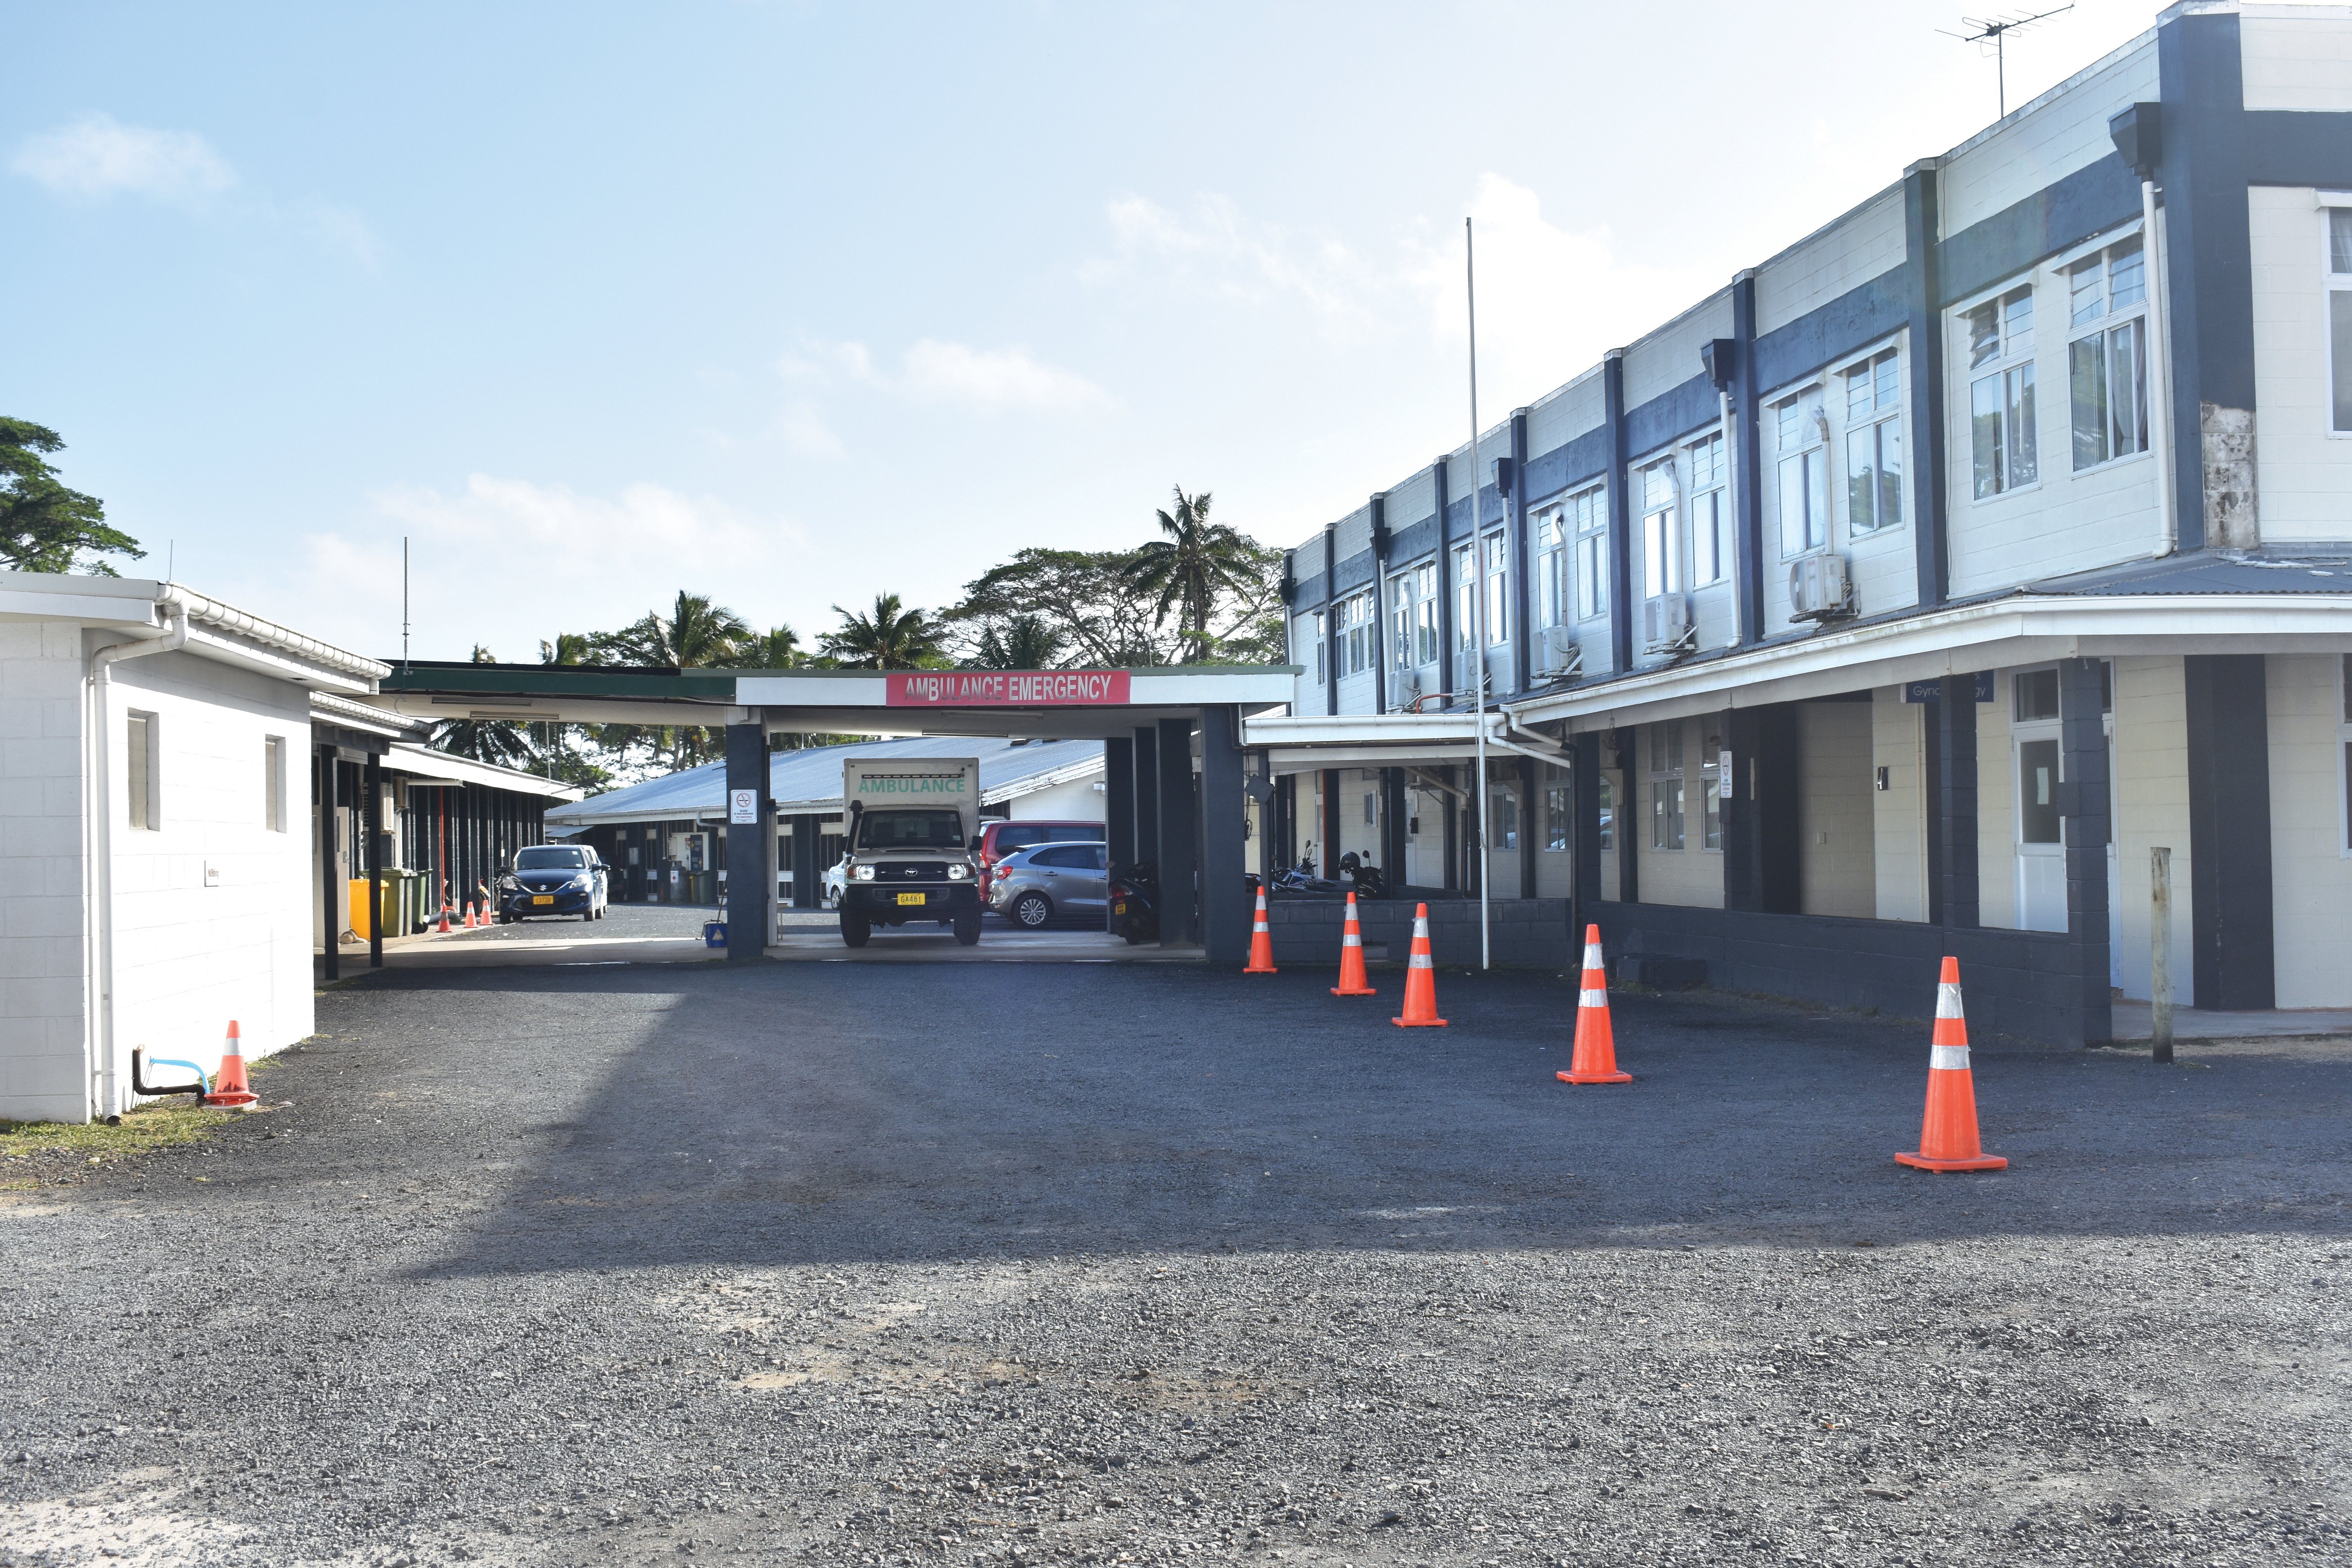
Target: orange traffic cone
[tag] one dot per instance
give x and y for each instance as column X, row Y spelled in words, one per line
column 229, row 1087
column 1420, row 979
column 1352, row 958
column 1261, row 940
column 445, row 910
column 1596, row 1042
column 1947, row 1136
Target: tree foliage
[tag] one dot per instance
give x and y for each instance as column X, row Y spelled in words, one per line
column 889, row 637
column 44, row 526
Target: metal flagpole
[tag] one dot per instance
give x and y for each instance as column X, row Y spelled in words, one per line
column 1478, row 633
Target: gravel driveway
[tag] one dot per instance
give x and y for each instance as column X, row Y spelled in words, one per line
column 855, row 1264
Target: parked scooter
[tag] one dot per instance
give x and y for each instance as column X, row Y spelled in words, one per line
column 1134, row 903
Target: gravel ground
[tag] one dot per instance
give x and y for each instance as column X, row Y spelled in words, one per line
column 844, row 1263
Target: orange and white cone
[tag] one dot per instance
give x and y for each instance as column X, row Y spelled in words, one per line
column 229, row 1087
column 445, row 909
column 1352, row 958
column 1261, row 941
column 1596, row 1042
column 1948, row 1135
column 1420, row 979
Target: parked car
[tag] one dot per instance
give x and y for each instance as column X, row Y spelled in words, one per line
column 553, row 879
column 1001, row 837
column 1033, row 887
column 837, row 880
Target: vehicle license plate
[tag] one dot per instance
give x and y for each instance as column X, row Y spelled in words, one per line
column 910, row 898
column 1119, row 909
column 543, row 897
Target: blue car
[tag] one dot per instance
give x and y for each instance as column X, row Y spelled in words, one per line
column 553, row 879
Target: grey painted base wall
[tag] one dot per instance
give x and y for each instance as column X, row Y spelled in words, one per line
column 2022, row 984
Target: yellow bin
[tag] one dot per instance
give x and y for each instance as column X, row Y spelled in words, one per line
column 363, row 918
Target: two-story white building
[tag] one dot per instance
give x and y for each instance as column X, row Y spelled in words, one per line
column 1904, row 596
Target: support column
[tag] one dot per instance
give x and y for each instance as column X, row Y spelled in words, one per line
column 1628, row 820
column 371, row 781
column 1379, row 510
column 1584, row 783
column 1119, row 812
column 1227, row 912
column 1393, row 825
column 749, row 880
column 1515, row 525
column 1330, row 826
column 2230, row 911
column 330, row 924
column 1179, row 855
column 1924, row 297
column 1956, row 799
column 1330, row 653
column 1531, row 814
column 1747, row 464
column 2083, row 799
column 1452, row 810
column 1147, row 795
column 808, row 848
column 1621, row 526
column 1447, row 661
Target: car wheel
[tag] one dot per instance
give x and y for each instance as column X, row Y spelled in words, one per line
column 967, row 928
column 1032, row 911
column 855, row 929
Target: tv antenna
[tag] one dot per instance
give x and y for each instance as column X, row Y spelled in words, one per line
column 1992, row 30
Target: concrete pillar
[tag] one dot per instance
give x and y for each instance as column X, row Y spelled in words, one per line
column 1179, row 854
column 2230, row 911
column 1147, row 794
column 2083, row 801
column 1953, row 828
column 330, row 891
column 1226, row 910
column 1118, row 811
column 750, row 881
column 808, row 850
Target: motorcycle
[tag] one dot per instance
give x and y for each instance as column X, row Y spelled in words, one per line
column 1134, row 903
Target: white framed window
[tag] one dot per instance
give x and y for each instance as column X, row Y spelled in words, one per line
column 1801, row 445
column 1551, row 566
column 142, row 789
column 1465, row 598
column 1322, row 676
column 1559, row 810
column 2004, row 449
column 1498, row 586
column 2343, row 747
column 1401, row 620
column 1356, row 632
column 2106, row 356
column 1873, row 443
column 1606, row 788
column 1661, row 541
column 1503, row 826
column 1666, row 825
column 273, row 782
column 1425, row 611
column 2339, row 319
column 1710, row 511
column 1587, row 525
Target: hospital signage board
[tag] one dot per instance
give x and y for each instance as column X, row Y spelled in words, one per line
column 1008, row 689
column 742, row 808
column 1933, row 690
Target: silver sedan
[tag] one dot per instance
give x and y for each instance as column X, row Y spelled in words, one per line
column 1035, row 886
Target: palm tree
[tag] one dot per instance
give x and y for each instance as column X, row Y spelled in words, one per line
column 890, row 638
column 568, row 647
column 1187, row 569
column 695, row 634
column 779, row 648
column 1026, row 642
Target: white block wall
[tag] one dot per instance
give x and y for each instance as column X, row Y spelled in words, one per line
column 2151, row 804
column 2296, row 57
column 1837, row 831
column 2061, row 131
column 43, row 971
column 2311, row 877
column 1900, row 812
column 1833, row 261
column 189, row 957
column 1079, row 800
column 1666, row 358
column 2303, row 470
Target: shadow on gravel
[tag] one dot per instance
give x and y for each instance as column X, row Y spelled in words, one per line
column 833, row 1113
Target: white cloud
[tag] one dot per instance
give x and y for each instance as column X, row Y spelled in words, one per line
column 935, row 371
column 507, row 563
column 805, row 433
column 96, row 157
column 1216, row 247
column 347, row 231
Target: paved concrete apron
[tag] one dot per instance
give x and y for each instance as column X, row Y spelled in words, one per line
column 862, row 1264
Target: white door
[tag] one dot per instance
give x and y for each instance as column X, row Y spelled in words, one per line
column 2040, row 849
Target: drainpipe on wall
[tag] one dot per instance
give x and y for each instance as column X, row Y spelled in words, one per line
column 98, row 875
column 2159, row 368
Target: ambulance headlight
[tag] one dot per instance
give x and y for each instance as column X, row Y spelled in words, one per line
column 862, row 873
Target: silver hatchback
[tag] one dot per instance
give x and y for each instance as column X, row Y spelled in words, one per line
column 1032, row 888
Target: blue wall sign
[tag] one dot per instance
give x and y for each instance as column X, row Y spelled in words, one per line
column 1933, row 690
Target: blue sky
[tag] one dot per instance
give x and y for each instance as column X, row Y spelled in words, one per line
column 795, row 304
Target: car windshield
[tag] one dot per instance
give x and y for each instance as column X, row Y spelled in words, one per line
column 548, row 858
column 910, row 830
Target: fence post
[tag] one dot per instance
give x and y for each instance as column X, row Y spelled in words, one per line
column 2159, row 956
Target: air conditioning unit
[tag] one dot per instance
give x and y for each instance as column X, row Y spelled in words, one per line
column 1558, row 658
column 1666, row 624
column 1405, row 690
column 1470, row 674
column 1819, row 589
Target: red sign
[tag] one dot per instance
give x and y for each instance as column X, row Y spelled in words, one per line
column 1008, row 689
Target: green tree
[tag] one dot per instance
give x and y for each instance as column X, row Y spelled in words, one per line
column 1025, row 642
column 1103, row 622
column 44, row 526
column 891, row 637
column 501, row 742
column 779, row 648
column 695, row 634
column 1187, row 570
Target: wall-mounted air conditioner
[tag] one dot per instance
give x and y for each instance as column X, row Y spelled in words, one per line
column 1470, row 674
column 1666, row 624
column 1405, row 690
column 1558, row 657
column 1819, row 589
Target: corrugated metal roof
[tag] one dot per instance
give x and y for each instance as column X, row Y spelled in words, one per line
column 811, row 779
column 2214, row 571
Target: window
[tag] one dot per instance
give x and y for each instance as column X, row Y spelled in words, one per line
column 1608, row 793
column 1321, row 676
column 2037, row 792
column 1401, row 620
column 2339, row 314
column 273, row 782
column 1711, row 814
column 1588, row 523
column 2106, row 367
column 2001, row 441
column 139, row 754
column 1465, row 598
column 1371, row 808
column 1661, row 555
column 1710, row 514
column 1559, row 812
column 1803, row 445
column 1551, row 567
column 2037, row 694
column 1498, row 580
column 1873, row 444
column 1667, row 785
column 1425, row 613
column 2344, row 743
column 1503, row 825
